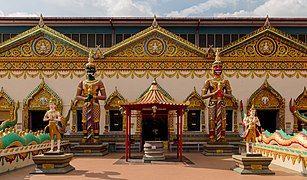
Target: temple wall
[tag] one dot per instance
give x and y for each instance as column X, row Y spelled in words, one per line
column 131, row 89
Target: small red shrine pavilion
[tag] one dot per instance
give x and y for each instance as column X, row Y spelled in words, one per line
column 154, row 99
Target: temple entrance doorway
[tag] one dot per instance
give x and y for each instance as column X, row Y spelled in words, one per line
column 155, row 128
column 268, row 119
column 36, row 120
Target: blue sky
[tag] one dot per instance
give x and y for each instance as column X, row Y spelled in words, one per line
column 162, row 8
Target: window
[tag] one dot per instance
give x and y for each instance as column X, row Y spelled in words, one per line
column 68, row 35
column 6, row 37
column 218, row 40
column 229, row 120
column 226, row 39
column 91, row 40
column 202, row 40
column 126, row 36
column 301, row 37
column 76, row 37
column 234, row 37
column 99, row 39
column 193, row 120
column 119, row 38
column 210, row 40
column 191, row 38
column 83, row 39
column 184, row 36
column 107, row 40
column 116, row 120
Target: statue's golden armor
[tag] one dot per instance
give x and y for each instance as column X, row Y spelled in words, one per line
column 218, row 88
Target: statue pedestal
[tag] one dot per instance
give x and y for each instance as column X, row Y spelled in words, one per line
column 252, row 164
column 216, row 149
column 90, row 149
column 53, row 163
column 153, row 151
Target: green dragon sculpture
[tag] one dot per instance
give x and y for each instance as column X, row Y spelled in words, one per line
column 10, row 122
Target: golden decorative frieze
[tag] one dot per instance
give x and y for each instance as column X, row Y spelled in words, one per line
column 7, row 106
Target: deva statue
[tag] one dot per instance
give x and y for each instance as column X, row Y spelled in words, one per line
column 91, row 91
column 54, row 117
column 251, row 133
column 217, row 89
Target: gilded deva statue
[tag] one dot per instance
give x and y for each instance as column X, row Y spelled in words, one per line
column 251, row 124
column 217, row 89
column 88, row 91
column 54, row 117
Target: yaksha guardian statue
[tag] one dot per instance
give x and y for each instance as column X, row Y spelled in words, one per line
column 217, row 89
column 90, row 91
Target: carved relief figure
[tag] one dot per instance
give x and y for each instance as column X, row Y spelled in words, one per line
column 91, row 91
column 216, row 89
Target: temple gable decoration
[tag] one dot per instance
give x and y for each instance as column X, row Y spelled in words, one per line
column 267, row 98
column 155, row 41
column 301, row 105
column 41, row 42
column 7, row 105
column 38, row 100
column 266, row 41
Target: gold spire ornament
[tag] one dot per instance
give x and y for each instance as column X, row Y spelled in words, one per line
column 217, row 58
column 90, row 63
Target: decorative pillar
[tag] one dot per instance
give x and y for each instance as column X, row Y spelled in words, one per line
column 235, row 121
column 185, row 124
column 203, row 121
column 138, row 122
column 127, row 135
column 171, row 123
column 107, row 122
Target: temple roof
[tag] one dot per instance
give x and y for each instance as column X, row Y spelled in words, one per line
column 155, row 95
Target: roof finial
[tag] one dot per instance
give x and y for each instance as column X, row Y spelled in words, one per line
column 41, row 21
column 155, row 23
column 267, row 23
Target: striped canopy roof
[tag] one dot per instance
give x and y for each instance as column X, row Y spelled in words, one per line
column 154, row 95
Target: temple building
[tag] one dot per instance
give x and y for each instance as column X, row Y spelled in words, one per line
column 264, row 59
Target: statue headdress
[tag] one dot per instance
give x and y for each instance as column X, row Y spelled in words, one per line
column 252, row 108
column 90, row 60
column 52, row 100
column 217, row 58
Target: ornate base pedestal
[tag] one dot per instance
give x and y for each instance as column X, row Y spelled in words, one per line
column 153, row 151
column 218, row 149
column 53, row 163
column 252, row 164
column 90, row 150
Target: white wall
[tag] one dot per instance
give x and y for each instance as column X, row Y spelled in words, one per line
column 179, row 89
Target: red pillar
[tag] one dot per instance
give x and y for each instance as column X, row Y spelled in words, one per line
column 127, row 135
column 180, row 135
column 177, row 134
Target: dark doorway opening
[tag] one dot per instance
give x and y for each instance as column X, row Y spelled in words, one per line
column 79, row 120
column 154, row 128
column 116, row 120
column 194, row 120
column 229, row 120
column 36, row 120
column 300, row 124
column 268, row 119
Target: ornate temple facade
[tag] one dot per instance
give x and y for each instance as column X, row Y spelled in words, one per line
column 266, row 68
